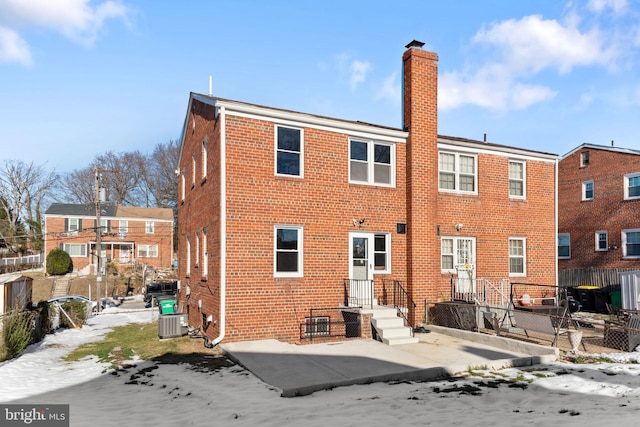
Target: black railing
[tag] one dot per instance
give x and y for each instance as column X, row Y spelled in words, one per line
column 358, row 293
column 403, row 302
column 325, row 323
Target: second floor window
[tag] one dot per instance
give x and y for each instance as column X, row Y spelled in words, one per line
column 631, row 243
column 457, row 172
column 123, row 227
column 602, row 241
column 632, row 186
column 587, row 190
column 149, row 227
column 516, row 179
column 289, row 151
column 564, row 245
column 371, row 163
column 72, row 224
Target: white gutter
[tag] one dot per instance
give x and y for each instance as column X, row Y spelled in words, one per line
column 223, row 227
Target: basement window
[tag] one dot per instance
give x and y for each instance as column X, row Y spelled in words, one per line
column 317, row 326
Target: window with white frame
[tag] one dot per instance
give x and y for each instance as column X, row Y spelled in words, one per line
column 75, row 249
column 457, row 172
column 584, row 159
column 197, row 249
column 587, row 190
column 317, row 325
column 288, row 251
column 564, row 245
column 602, row 241
column 188, row 273
column 457, row 251
column 632, row 186
column 183, row 180
column 193, row 169
column 204, row 157
column 517, row 256
column 517, row 176
column 123, row 227
column 205, row 255
column 371, row 162
column 149, row 227
column 147, row 251
column 631, row 243
column 289, row 151
column 72, row 224
column 382, row 253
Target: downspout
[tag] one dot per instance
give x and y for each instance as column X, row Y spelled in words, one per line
column 223, row 228
column 556, row 226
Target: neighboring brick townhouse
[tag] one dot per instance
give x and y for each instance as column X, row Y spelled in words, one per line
column 282, row 212
column 599, row 214
column 130, row 235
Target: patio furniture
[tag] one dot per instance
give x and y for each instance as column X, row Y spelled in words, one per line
column 623, row 336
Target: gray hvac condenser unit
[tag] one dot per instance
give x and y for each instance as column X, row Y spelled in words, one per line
column 173, row 325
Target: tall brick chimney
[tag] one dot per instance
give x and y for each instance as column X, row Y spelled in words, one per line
column 420, row 115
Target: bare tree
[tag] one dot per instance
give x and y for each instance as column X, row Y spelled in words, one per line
column 78, row 187
column 23, row 190
column 160, row 178
column 121, row 176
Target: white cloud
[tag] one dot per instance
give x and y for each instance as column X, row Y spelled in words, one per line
column 598, row 6
column 518, row 50
column 13, row 48
column 390, row 89
column 358, row 71
column 77, row 20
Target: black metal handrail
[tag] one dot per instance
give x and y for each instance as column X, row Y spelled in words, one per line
column 403, row 302
column 358, row 293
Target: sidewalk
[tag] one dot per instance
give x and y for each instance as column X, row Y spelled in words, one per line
column 303, row 369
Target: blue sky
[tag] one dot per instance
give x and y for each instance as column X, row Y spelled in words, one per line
column 81, row 77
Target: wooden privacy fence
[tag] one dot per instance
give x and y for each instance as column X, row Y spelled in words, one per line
column 600, row 277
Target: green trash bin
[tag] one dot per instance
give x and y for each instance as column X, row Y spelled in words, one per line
column 167, row 305
column 616, row 299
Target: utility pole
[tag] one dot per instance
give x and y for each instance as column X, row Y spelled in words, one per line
column 98, row 241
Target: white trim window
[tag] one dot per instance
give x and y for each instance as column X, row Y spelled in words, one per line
column 287, row 251
column 205, row 254
column 147, row 251
column 149, row 227
column 75, row 250
column 632, row 186
column 517, row 179
column 123, row 227
column 72, row 224
column 204, row 157
column 602, row 240
column 183, row 180
column 457, row 251
column 564, row 245
column 517, row 256
column 382, row 253
column 587, row 190
column 584, row 159
column 631, row 243
column 193, row 170
column 457, row 172
column 188, row 272
column 197, row 248
column 372, row 162
column 289, row 151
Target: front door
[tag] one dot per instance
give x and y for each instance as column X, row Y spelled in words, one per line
column 360, row 268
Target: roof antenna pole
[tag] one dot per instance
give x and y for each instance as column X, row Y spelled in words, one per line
column 210, row 86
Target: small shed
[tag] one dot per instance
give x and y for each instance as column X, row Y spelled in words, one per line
column 630, row 289
column 15, row 289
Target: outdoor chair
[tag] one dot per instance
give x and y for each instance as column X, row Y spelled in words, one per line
column 623, row 336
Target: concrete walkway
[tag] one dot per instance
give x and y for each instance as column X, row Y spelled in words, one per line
column 303, row 369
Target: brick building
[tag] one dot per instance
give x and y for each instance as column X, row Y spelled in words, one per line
column 281, row 212
column 129, row 235
column 598, row 222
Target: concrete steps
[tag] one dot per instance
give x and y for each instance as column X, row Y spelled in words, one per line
column 61, row 287
column 390, row 327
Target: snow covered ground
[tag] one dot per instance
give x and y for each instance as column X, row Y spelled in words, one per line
column 150, row 394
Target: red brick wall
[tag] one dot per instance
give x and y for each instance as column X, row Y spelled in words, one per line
column 608, row 211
